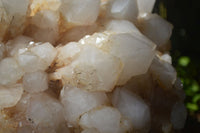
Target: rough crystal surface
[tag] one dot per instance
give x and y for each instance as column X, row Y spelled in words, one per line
column 124, row 9
column 132, row 107
column 77, row 101
column 9, row 96
column 87, row 66
column 35, row 82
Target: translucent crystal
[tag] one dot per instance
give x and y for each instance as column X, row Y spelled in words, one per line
column 35, row 82
column 156, row 28
column 87, row 66
column 104, row 119
column 80, row 12
column 10, row 95
column 87, row 71
column 145, row 6
column 10, row 71
column 124, row 9
column 76, row 102
column 132, row 107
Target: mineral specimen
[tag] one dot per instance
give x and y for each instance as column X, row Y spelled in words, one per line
column 87, row 66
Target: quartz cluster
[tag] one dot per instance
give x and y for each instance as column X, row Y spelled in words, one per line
column 87, row 66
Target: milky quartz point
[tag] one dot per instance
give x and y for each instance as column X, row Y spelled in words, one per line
column 78, row 32
column 34, row 56
column 156, row 28
column 86, row 70
column 44, row 111
column 122, row 26
column 135, row 51
column 10, row 95
column 67, row 53
column 15, row 46
column 77, row 101
column 45, row 26
column 39, row 5
column 132, row 107
column 10, row 71
column 163, row 72
column 35, row 82
column 124, row 9
column 80, row 12
column 46, row 19
column 131, row 50
column 45, row 52
column 44, row 34
column 145, row 6
column 105, row 119
column 29, row 62
column 167, row 58
column 17, row 11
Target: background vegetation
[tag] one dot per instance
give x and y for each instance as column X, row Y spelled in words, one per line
column 185, row 16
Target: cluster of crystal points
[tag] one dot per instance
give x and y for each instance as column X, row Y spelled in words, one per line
column 87, row 66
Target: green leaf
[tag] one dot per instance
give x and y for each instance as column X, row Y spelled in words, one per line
column 192, row 106
column 184, row 61
column 196, row 98
column 195, row 86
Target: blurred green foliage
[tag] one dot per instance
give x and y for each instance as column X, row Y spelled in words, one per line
column 185, row 68
column 185, row 50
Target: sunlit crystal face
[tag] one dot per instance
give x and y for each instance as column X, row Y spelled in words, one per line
column 92, row 66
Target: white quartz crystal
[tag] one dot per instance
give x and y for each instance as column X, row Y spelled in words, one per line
column 121, row 26
column 14, row 7
column 29, row 62
column 67, row 53
column 87, row 71
column 77, row 101
column 167, row 58
column 78, row 32
column 45, row 52
column 156, row 28
column 80, row 12
column 44, row 34
column 145, row 6
column 46, row 19
column 124, row 9
column 10, row 95
column 163, row 72
column 132, row 107
column 10, row 71
column 131, row 50
column 134, row 51
column 16, row 11
column 44, row 111
column 39, row 5
column 104, row 119
column 35, row 82
column 17, row 45
column 87, row 66
column 45, row 26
